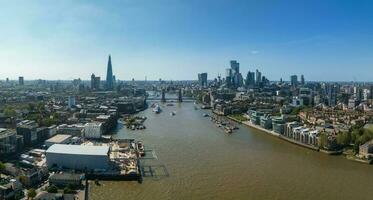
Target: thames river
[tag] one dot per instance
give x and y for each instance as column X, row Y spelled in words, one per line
column 194, row 159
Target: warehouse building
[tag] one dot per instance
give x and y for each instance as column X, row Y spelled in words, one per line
column 79, row 157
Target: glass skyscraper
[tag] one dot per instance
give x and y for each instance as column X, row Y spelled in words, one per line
column 109, row 75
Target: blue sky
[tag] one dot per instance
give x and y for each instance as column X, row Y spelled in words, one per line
column 176, row 39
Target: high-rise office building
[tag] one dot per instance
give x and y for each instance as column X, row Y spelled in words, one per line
column 95, row 82
column 71, row 101
column 21, row 80
column 219, row 80
column 265, row 81
column 202, row 79
column 331, row 91
column 109, row 75
column 250, row 79
column 235, row 66
column 258, row 77
column 359, row 95
column 228, row 77
column 238, row 80
column 302, row 81
column 294, row 80
column 114, row 80
column 306, row 95
column 236, row 76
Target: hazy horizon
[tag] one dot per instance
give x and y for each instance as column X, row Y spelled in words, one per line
column 175, row 40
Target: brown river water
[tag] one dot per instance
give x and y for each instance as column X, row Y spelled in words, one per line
column 197, row 160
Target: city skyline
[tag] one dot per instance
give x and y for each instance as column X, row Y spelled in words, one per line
column 176, row 41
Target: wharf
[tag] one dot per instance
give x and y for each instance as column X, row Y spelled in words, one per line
column 356, row 159
column 114, row 177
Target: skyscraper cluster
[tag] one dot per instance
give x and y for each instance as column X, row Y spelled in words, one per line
column 234, row 78
column 294, row 80
column 255, row 79
column 110, row 78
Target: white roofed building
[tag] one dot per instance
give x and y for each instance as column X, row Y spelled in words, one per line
column 78, row 157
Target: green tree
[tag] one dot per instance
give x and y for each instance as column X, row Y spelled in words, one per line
column 69, row 189
column 40, row 107
column 323, row 140
column 23, row 180
column 356, row 148
column 49, row 122
column 2, row 167
column 361, row 135
column 52, row 189
column 344, row 138
column 296, row 110
column 31, row 106
column 31, row 193
column 9, row 111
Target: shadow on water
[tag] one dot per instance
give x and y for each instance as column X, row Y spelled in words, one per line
column 150, row 166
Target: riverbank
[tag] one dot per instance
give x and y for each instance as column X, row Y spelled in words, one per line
column 235, row 118
column 338, row 152
column 240, row 119
column 249, row 124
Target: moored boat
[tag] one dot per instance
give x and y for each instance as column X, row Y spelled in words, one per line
column 157, row 109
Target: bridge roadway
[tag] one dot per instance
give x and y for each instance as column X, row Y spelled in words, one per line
column 186, row 99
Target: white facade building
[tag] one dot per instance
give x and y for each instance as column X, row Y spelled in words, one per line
column 93, row 130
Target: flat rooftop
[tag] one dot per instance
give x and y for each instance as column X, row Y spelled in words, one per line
column 6, row 132
column 78, row 149
column 59, row 138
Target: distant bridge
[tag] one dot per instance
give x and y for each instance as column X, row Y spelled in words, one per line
column 163, row 97
column 170, row 99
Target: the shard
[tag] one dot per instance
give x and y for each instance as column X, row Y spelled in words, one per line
column 109, row 76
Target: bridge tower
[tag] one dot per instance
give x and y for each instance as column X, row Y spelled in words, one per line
column 163, row 99
column 180, row 96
